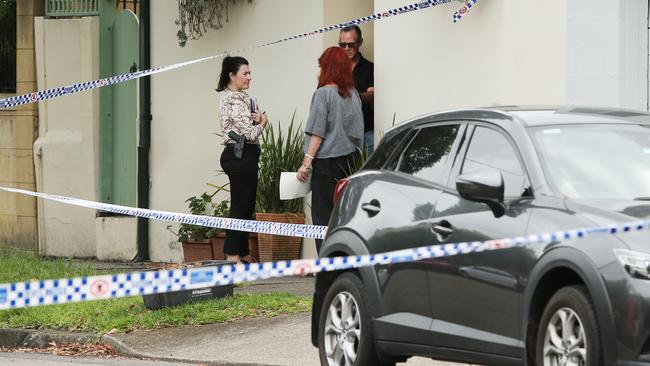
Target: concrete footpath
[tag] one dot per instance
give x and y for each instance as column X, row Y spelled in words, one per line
column 282, row 340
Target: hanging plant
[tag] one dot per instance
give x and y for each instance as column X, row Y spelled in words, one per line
column 196, row 16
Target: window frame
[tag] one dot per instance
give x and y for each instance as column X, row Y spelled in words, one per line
column 4, row 93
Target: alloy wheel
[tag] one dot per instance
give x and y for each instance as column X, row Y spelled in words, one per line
column 565, row 343
column 342, row 331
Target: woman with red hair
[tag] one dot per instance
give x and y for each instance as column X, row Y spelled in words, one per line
column 334, row 132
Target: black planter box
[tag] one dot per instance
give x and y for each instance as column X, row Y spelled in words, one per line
column 159, row 301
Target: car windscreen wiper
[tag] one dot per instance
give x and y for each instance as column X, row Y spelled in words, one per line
column 642, row 199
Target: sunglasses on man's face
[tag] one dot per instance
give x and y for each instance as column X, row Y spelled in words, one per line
column 348, row 44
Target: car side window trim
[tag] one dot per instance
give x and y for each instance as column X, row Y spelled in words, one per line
column 460, row 161
column 462, row 150
column 447, row 167
column 404, row 141
column 458, row 147
column 400, row 158
column 417, row 131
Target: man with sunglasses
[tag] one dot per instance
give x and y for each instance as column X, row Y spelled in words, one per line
column 363, row 73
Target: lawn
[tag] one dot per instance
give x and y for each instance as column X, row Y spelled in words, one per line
column 126, row 314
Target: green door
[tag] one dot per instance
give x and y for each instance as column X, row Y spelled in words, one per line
column 119, row 144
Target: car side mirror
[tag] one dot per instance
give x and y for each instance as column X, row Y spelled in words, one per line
column 486, row 187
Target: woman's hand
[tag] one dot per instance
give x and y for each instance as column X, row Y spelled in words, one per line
column 260, row 118
column 257, row 117
column 303, row 173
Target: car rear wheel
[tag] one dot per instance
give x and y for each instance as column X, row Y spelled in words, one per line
column 345, row 331
column 568, row 334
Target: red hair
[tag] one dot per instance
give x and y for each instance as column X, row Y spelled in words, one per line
column 336, row 68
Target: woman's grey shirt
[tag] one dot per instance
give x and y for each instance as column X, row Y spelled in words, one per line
column 338, row 120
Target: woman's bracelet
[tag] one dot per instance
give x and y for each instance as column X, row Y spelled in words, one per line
column 309, row 156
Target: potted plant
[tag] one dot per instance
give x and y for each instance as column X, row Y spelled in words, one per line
column 219, row 237
column 280, row 153
column 197, row 240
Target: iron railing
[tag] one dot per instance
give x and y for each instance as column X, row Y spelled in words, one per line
column 71, row 8
column 77, row 8
column 128, row 4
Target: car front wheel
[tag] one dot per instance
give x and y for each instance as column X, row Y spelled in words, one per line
column 345, row 332
column 568, row 334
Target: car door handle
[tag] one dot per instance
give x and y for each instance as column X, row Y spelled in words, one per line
column 442, row 228
column 372, row 208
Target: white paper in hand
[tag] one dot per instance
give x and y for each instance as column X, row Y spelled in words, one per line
column 291, row 187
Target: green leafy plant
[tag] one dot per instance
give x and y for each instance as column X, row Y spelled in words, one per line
column 204, row 206
column 280, row 153
column 358, row 160
column 196, row 16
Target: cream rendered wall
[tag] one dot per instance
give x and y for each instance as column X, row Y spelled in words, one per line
column 184, row 150
column 499, row 53
column 607, row 47
column 66, row 151
column 116, row 238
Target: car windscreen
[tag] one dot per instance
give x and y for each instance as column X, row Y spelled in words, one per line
column 597, row 161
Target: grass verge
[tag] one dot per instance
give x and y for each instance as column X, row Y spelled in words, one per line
column 126, row 314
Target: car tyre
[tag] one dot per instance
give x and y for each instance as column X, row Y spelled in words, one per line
column 345, row 330
column 568, row 332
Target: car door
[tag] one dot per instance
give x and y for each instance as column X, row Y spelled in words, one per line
column 402, row 200
column 475, row 298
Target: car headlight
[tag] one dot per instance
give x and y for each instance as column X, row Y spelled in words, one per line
column 637, row 264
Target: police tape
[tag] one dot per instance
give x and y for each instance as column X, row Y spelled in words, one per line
column 464, row 10
column 262, row 227
column 69, row 290
column 76, row 88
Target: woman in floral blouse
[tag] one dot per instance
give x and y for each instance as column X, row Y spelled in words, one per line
column 237, row 117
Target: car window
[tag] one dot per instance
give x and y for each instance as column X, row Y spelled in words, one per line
column 597, row 161
column 427, row 154
column 490, row 149
column 386, row 147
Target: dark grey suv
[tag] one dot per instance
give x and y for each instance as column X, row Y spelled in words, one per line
column 487, row 174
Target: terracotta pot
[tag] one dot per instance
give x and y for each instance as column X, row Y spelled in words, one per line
column 197, row 250
column 276, row 247
column 253, row 247
column 218, row 242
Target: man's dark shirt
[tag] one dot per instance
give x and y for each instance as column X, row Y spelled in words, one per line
column 364, row 78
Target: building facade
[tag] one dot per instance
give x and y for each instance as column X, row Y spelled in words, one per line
column 18, row 126
column 538, row 52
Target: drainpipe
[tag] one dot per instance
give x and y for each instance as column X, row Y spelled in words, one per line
column 144, row 141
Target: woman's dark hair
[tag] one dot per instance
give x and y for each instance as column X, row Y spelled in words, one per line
column 229, row 64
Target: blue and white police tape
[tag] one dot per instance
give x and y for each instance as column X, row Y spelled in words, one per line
column 68, row 290
column 263, row 227
column 75, row 88
column 463, row 11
